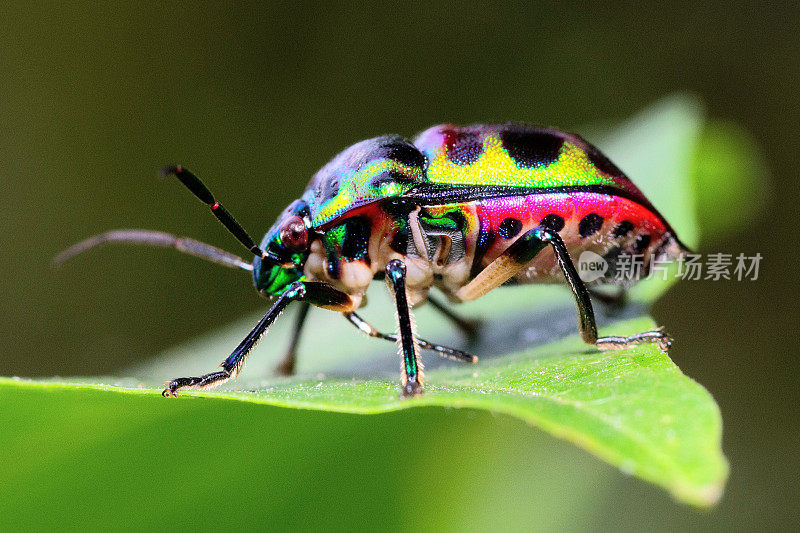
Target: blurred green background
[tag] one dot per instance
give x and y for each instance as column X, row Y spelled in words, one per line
column 254, row 98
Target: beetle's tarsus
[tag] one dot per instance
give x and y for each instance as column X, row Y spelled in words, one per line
column 202, row 382
column 411, row 388
column 620, row 343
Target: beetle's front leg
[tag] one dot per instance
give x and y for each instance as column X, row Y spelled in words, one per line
column 315, row 293
column 411, row 369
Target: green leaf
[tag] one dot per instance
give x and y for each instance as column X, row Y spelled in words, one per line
column 631, row 408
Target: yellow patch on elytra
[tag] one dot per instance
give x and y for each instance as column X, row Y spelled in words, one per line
column 496, row 167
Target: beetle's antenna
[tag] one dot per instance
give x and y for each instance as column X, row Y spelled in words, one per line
column 155, row 238
column 194, row 184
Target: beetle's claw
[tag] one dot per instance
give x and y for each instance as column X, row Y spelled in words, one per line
column 172, row 389
column 411, row 389
column 665, row 341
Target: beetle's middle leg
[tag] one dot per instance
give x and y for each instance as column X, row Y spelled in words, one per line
column 522, row 252
column 444, row 351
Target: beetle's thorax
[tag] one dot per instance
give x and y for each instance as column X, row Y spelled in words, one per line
column 434, row 254
column 352, row 267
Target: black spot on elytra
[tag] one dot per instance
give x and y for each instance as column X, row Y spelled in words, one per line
column 466, row 148
column 553, row 222
column 641, row 244
column 509, row 227
column 403, row 152
column 384, row 147
column 604, row 164
column 531, row 148
column 623, row 228
column 590, row 224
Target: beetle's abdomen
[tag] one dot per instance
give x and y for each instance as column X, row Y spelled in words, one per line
column 609, row 226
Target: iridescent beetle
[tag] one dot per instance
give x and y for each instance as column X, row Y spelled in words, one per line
column 464, row 209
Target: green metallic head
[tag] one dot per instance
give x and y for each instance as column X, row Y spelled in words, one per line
column 285, row 249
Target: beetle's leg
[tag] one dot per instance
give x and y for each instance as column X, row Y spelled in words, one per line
column 286, row 366
column 614, row 342
column 411, row 369
column 444, row 351
column 470, row 327
column 520, row 253
column 316, row 293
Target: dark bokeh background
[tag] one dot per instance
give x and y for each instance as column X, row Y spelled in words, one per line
column 95, row 98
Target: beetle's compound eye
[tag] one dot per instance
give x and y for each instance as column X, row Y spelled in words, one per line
column 293, row 234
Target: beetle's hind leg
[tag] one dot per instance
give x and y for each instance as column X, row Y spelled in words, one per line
column 522, row 252
column 620, row 343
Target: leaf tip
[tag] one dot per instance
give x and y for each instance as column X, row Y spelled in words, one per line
column 702, row 497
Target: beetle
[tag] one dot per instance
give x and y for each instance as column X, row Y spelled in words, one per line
column 463, row 209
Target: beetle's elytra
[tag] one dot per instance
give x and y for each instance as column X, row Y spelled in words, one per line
column 464, row 209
